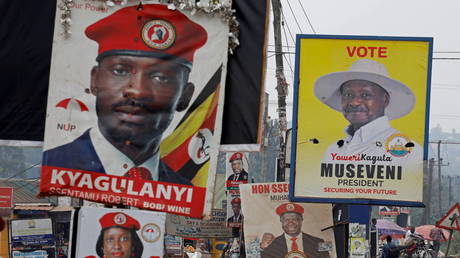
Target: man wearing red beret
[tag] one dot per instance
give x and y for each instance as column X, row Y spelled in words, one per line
column 144, row 60
column 239, row 174
column 237, row 218
column 293, row 242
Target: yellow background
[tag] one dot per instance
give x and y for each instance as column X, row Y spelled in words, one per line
column 406, row 61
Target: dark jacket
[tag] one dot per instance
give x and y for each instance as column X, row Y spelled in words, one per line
column 243, row 176
column 278, row 248
column 80, row 154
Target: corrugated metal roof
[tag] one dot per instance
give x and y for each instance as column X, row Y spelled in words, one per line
column 33, row 207
column 24, row 190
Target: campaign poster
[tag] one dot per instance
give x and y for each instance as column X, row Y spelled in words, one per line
column 269, row 217
column 360, row 123
column 236, row 170
column 234, row 214
column 134, row 106
column 184, row 226
column 103, row 232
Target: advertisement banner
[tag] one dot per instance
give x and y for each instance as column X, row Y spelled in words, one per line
column 360, row 125
column 6, row 197
column 133, row 115
column 271, row 222
column 138, row 233
column 27, row 232
column 197, row 228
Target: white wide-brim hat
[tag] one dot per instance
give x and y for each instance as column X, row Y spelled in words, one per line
column 402, row 99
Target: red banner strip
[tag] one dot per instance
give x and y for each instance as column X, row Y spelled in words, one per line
column 145, row 194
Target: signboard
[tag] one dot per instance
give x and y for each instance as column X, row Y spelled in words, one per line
column 451, row 219
column 360, row 119
column 26, row 232
column 173, row 245
column 98, row 226
column 196, row 228
column 32, row 254
column 269, row 217
column 389, row 210
column 133, row 115
column 6, row 197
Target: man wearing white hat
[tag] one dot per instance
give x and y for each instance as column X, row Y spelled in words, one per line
column 368, row 98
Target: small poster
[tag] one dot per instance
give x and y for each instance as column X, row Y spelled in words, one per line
column 102, row 232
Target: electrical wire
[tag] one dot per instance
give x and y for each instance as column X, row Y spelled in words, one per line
column 22, row 171
column 295, row 18
column 306, row 16
column 290, row 61
column 283, row 22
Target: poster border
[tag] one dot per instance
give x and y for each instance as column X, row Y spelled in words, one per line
column 292, row 196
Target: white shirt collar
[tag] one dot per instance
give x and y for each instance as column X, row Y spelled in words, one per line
column 114, row 161
column 371, row 130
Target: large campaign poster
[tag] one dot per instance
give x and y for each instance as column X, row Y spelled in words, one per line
column 134, row 105
column 276, row 227
column 360, row 120
column 105, row 232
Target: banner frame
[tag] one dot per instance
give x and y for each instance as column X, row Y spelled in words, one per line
column 292, row 196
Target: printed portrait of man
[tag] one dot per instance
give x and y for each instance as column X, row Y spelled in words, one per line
column 145, row 56
column 369, row 99
column 237, row 217
column 293, row 241
column 236, row 162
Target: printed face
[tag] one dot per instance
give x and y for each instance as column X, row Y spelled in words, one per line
column 136, row 97
column 236, row 208
column 363, row 101
column 291, row 223
column 237, row 166
column 117, row 243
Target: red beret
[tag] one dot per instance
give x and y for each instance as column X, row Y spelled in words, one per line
column 289, row 207
column 119, row 219
column 236, row 156
column 153, row 31
column 236, row 200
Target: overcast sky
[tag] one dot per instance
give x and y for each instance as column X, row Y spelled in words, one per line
column 421, row 18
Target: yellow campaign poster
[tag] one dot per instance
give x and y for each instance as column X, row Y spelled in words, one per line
column 360, row 119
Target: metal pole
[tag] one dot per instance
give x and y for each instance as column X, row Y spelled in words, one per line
column 451, row 231
column 439, row 178
column 427, row 214
column 281, row 86
column 450, row 189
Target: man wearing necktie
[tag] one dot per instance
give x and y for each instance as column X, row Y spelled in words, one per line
column 239, row 174
column 139, row 82
column 293, row 242
column 237, row 218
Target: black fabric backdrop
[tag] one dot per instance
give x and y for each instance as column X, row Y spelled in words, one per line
column 26, row 37
column 245, row 75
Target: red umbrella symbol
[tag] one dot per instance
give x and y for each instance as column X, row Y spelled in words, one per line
column 65, row 104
